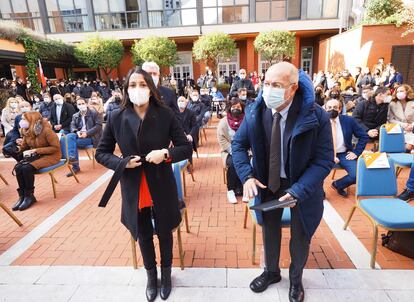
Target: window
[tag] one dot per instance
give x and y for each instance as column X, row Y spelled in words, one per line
column 171, row 12
column 184, row 67
column 294, row 9
column 5, row 9
column 330, row 9
column 270, row 10
column 225, row 11
column 117, row 14
column 25, row 12
column 314, row 9
column 68, row 15
column 227, row 67
column 306, row 59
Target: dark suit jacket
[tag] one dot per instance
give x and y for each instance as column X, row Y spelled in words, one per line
column 246, row 83
column 137, row 137
column 350, row 127
column 170, row 99
column 65, row 116
column 14, row 133
column 190, row 126
column 93, row 122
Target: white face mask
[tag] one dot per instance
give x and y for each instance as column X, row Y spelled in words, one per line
column 139, row 96
column 82, row 108
column 365, row 96
column 155, row 79
column 242, row 76
column 194, row 98
column 401, row 95
column 36, row 100
column 182, row 105
column 25, row 109
column 387, row 99
column 13, row 105
column 59, row 101
column 46, row 100
column 243, row 97
column 273, row 97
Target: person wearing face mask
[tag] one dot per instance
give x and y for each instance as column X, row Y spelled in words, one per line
column 243, row 82
column 189, row 123
column 394, row 77
column 372, row 114
column 319, row 95
column 38, row 138
column 277, row 128
column 37, row 102
column 77, row 88
column 46, row 106
column 401, row 111
column 218, row 100
column 86, row 129
column 112, row 104
column 21, row 87
column 86, row 90
column 149, row 192
column 13, row 138
column 199, row 108
column 53, row 89
column 346, row 80
column 62, row 88
column 343, row 129
column 9, row 113
column 242, row 95
column 226, row 130
column 61, row 114
column 349, row 97
column 167, row 95
column 104, row 91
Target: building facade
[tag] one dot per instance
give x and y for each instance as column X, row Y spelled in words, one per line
column 184, row 21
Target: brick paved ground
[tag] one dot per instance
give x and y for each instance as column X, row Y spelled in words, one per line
column 94, row 236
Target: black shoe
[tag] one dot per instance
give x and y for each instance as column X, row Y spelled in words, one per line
column 261, row 283
column 29, row 199
column 165, row 289
column 341, row 192
column 296, row 293
column 406, row 195
column 19, row 201
column 70, row 174
column 72, row 160
column 238, row 192
column 151, row 290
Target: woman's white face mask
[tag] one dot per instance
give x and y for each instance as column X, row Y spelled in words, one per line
column 139, row 96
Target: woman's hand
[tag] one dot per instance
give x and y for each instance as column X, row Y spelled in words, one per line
column 156, row 156
column 134, row 162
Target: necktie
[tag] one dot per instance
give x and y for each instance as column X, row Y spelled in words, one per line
column 333, row 124
column 275, row 155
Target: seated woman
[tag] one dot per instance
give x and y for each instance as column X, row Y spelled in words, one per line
column 401, row 111
column 188, row 122
column 9, row 113
column 38, row 138
column 226, row 130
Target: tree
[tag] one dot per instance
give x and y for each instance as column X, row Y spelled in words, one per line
column 100, row 53
column 275, row 45
column 160, row 50
column 382, row 11
column 212, row 48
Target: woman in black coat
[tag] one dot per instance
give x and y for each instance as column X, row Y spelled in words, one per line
column 144, row 128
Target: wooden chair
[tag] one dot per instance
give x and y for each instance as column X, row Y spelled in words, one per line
column 8, row 212
column 201, row 133
column 225, row 175
column 91, row 155
column 3, row 179
column 183, row 168
column 336, row 168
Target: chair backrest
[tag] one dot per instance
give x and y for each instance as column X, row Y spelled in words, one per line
column 63, row 140
column 375, row 182
column 391, row 143
column 177, row 176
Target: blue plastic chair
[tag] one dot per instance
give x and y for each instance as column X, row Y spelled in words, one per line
column 379, row 186
column 64, row 162
column 394, row 145
column 285, row 224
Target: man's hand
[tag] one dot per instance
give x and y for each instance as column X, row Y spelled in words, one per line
column 373, row 133
column 190, row 138
column 83, row 135
column 250, row 187
column 336, row 160
column 19, row 141
column 134, row 162
column 58, row 127
column 287, row 196
column 156, row 156
column 351, row 156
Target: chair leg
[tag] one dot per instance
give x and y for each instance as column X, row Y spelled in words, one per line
column 93, row 158
column 3, row 179
column 245, row 216
column 180, row 247
column 197, row 153
column 52, row 178
column 73, row 173
column 374, row 246
column 254, row 245
column 333, row 174
column 224, row 176
column 399, row 169
column 349, row 217
column 134, row 252
column 184, row 183
column 11, row 214
column 205, row 135
column 87, row 153
column 187, row 227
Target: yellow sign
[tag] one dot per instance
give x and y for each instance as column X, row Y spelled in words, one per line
column 376, row 160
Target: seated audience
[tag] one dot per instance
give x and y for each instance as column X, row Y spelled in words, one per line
column 37, row 102
column 319, row 95
column 242, row 82
column 242, row 95
column 9, row 114
column 199, row 108
column 46, row 106
column 112, row 104
column 408, row 193
column 349, row 98
column 40, row 140
column 96, row 103
column 189, row 122
column 343, row 129
column 61, row 115
column 346, row 80
column 226, row 130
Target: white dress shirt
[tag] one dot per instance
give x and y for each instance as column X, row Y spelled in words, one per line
column 340, row 142
column 284, row 113
column 58, row 113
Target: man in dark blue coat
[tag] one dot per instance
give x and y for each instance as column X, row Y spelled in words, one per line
column 343, row 129
column 291, row 141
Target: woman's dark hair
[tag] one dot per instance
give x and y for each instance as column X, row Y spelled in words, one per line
column 380, row 90
column 232, row 102
column 155, row 97
column 347, row 87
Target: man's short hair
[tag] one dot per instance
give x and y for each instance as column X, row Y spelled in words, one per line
column 241, row 90
column 150, row 65
column 380, row 90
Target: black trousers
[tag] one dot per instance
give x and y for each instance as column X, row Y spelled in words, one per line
column 25, row 175
column 272, row 236
column 146, row 243
column 233, row 181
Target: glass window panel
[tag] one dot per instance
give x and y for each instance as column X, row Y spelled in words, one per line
column 226, row 14
column 84, row 23
column 52, row 8
column 70, row 24
column 118, row 21
column 314, row 10
column 210, row 15
column 38, row 25
column 207, row 3
column 189, row 17
column 33, row 6
column 19, row 6
column 66, row 7
column 132, row 5
column 133, row 20
column 154, row 4
column 5, row 7
column 172, row 17
column 103, row 22
column 237, row 2
column 80, row 6
column 100, row 6
column 262, row 11
column 56, row 25
column 330, row 8
column 241, row 14
column 155, row 19
column 294, row 9
column 117, row 5
column 278, row 10
column 188, row 3
column 225, row 2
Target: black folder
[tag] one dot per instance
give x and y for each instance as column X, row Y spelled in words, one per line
column 273, row 204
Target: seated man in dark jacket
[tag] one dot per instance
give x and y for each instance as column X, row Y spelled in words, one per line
column 199, row 108
column 189, row 122
column 373, row 113
column 243, row 82
column 86, row 128
column 343, row 128
column 61, row 115
column 46, row 106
